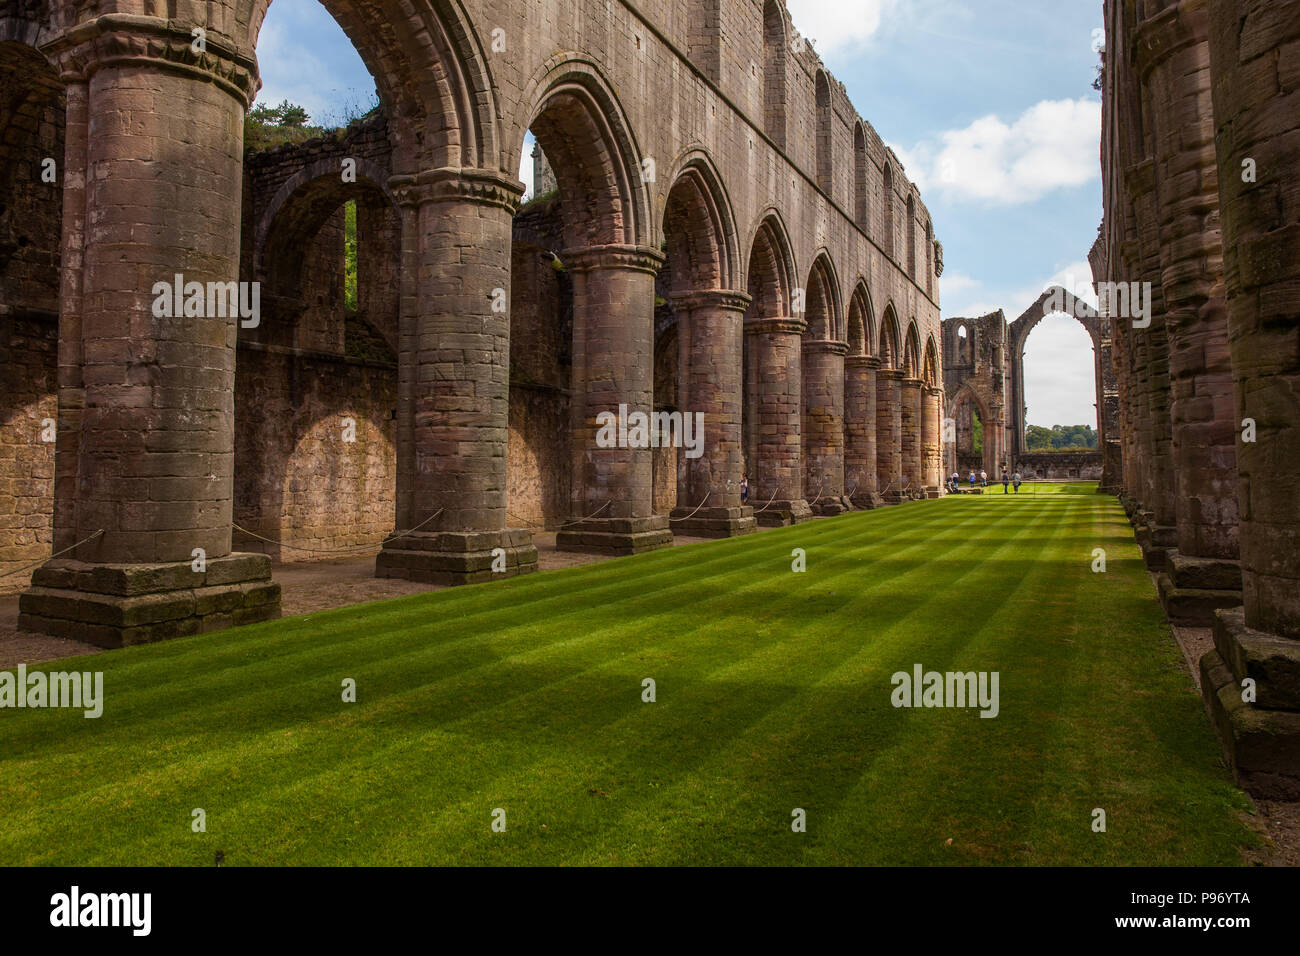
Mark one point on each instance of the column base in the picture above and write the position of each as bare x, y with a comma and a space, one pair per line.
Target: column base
453, 558
1261, 738
617, 536
116, 605
1156, 541
932, 492
779, 514
867, 501
829, 506
1192, 589
713, 522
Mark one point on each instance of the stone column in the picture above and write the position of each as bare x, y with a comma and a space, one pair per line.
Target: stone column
931, 429
910, 445
1256, 121
1203, 573
1156, 520
453, 387
860, 431
889, 434
159, 189
823, 426
777, 489
710, 330
613, 392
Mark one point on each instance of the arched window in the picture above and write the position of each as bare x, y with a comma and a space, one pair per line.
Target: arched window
705, 37
861, 211
774, 72
887, 208
911, 235
825, 179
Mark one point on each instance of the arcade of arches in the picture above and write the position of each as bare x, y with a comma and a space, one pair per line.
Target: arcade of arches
760, 263
728, 237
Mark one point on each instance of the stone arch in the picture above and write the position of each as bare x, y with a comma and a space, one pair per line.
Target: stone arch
912, 352
699, 227
771, 269
585, 134
825, 143
318, 183
930, 367
861, 321
775, 77
431, 72
1055, 300
298, 233
823, 311
888, 339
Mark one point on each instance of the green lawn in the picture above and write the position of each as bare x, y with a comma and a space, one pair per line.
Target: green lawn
773, 693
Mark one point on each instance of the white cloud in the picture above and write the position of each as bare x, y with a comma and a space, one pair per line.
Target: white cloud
832, 28
1050, 146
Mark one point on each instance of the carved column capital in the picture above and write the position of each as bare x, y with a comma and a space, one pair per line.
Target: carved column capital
454, 184
629, 258
125, 39
787, 325
711, 299
826, 347
862, 361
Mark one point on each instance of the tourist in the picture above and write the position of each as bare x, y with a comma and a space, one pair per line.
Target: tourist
1016, 480
972, 481
744, 488
954, 483
1006, 480
984, 478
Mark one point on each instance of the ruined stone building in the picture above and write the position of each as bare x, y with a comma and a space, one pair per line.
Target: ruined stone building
1201, 179
727, 237
984, 380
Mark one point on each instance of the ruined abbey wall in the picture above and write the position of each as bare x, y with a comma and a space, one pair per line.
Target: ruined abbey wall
1200, 140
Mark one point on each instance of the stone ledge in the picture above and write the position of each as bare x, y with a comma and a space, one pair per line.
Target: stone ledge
1193, 607
713, 522
455, 567
127, 580
1262, 747
1272, 661
780, 514
1215, 574
613, 542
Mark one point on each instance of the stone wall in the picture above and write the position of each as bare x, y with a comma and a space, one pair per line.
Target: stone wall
1059, 466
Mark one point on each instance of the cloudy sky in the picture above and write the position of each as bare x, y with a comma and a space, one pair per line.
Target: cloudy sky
988, 103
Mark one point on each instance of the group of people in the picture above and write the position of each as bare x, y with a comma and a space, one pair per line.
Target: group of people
954, 483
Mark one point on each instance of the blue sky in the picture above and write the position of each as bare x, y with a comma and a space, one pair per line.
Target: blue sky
988, 103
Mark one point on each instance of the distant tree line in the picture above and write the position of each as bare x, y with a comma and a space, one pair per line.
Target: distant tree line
1061, 438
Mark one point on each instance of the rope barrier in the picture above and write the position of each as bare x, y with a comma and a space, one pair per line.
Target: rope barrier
353, 550
53, 556
566, 524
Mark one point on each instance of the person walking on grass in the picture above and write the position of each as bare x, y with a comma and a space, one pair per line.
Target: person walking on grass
1006, 480
1016, 481
984, 478
972, 481
954, 483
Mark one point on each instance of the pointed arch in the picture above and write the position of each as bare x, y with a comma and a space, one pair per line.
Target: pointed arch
861, 204
699, 227
888, 338
432, 76
775, 33
861, 321
770, 270
583, 130
912, 352
825, 134
930, 368
823, 311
